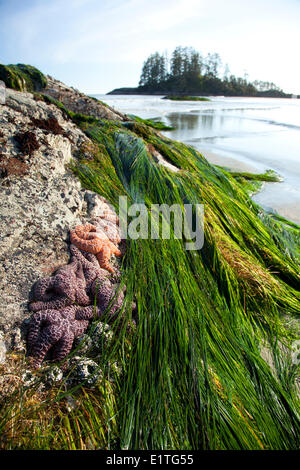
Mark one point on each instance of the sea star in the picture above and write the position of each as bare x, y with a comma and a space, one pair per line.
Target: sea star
68, 285
90, 266
108, 298
87, 238
54, 330
110, 228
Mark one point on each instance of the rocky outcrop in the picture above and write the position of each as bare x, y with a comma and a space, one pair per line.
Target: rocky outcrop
78, 102
22, 77
41, 201
26, 78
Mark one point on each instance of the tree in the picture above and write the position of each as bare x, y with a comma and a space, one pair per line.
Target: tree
154, 70
177, 60
191, 74
212, 64
196, 63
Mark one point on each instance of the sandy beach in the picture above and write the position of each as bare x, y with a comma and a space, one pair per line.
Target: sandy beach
231, 163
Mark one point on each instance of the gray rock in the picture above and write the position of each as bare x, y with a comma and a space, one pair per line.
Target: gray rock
2, 92
83, 344
71, 403
101, 336
38, 206
52, 376
295, 354
29, 378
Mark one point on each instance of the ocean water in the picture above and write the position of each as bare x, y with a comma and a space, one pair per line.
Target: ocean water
251, 133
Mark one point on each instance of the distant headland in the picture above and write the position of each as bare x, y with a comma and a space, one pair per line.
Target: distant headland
188, 73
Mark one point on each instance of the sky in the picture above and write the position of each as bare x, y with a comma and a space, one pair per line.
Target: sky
99, 45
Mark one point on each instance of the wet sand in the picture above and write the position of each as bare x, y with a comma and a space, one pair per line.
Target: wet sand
288, 210
231, 163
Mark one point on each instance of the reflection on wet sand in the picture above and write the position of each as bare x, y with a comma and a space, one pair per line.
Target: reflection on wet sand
184, 121
205, 125
245, 144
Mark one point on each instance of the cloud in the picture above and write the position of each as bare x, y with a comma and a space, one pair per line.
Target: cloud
117, 32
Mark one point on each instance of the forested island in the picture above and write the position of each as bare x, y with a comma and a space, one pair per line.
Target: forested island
187, 72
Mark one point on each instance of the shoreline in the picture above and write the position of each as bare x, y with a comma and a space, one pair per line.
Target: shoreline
288, 211
134, 91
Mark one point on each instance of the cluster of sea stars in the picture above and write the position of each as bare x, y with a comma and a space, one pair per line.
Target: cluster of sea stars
64, 303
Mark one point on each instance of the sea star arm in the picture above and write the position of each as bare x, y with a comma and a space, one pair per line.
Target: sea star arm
43, 289
47, 338
87, 313
92, 246
104, 255
62, 347
56, 304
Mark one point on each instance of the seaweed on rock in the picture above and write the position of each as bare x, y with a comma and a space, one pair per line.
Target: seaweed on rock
27, 142
196, 377
51, 125
22, 77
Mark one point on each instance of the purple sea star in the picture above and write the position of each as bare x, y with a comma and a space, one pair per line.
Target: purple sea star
108, 298
54, 331
90, 266
68, 285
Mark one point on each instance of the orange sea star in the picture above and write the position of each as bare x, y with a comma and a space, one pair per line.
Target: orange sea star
87, 238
